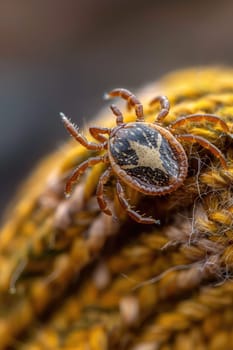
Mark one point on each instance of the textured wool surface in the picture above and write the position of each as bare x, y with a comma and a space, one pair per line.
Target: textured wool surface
73, 278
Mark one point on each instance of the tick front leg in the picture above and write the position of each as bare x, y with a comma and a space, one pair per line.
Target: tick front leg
73, 131
80, 170
100, 191
131, 100
165, 107
205, 144
97, 133
118, 114
132, 213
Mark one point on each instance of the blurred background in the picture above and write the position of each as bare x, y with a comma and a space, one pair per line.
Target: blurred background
62, 55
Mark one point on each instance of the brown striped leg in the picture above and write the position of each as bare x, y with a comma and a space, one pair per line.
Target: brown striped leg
81, 169
131, 100
73, 131
97, 132
205, 144
118, 114
126, 206
200, 118
100, 191
165, 107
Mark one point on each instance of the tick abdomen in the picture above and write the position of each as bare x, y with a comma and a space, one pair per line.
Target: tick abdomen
142, 152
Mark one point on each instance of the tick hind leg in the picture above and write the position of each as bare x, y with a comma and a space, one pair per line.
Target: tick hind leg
97, 133
132, 213
199, 118
131, 100
205, 144
80, 170
100, 191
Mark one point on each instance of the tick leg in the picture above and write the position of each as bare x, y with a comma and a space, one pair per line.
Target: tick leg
205, 144
97, 132
165, 107
118, 114
200, 118
100, 191
80, 170
131, 100
73, 131
132, 213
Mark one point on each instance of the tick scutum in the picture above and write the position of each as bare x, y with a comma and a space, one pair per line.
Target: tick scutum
143, 153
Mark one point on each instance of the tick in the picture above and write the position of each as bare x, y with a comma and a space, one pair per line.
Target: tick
147, 157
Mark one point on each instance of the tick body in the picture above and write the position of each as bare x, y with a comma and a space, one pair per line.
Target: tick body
146, 157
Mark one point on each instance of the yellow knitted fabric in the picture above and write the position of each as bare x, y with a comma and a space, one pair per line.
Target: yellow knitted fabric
73, 278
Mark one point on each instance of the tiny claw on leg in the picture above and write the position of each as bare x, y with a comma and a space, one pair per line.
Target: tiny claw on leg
67, 194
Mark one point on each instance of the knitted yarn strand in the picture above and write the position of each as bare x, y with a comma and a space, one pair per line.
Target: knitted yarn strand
76, 279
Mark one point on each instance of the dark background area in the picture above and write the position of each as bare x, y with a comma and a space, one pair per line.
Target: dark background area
62, 55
